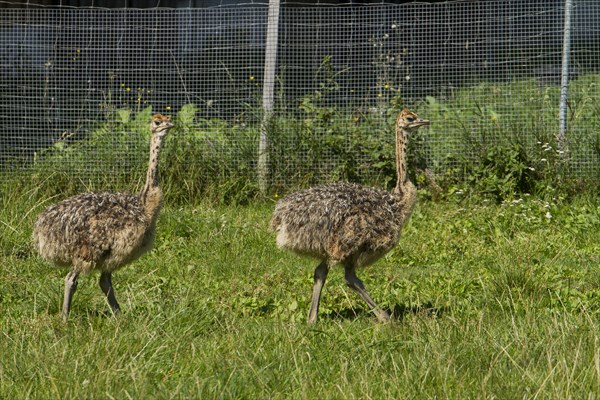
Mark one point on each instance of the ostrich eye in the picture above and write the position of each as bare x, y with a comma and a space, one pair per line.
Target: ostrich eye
157, 122
410, 119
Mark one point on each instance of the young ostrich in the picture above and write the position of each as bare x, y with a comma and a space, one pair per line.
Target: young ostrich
102, 231
348, 224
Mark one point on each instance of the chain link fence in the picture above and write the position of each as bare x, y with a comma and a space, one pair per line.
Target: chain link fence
484, 73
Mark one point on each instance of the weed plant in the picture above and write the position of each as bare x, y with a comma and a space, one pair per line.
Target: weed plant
478, 142
498, 152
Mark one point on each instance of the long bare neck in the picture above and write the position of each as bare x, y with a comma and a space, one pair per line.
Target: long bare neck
402, 182
151, 195
405, 192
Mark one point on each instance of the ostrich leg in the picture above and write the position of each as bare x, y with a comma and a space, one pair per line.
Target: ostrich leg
109, 291
356, 284
320, 275
70, 287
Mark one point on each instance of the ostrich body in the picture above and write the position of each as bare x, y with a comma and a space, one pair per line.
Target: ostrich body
348, 224
102, 231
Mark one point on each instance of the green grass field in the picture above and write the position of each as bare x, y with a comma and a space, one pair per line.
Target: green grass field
490, 301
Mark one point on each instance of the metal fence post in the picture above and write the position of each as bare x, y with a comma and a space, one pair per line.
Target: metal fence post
564, 83
268, 93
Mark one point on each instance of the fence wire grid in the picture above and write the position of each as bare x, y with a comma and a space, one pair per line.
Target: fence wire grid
483, 72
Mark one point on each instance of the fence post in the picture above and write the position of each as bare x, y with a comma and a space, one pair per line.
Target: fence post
268, 93
561, 138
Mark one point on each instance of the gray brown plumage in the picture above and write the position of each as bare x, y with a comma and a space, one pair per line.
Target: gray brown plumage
102, 231
348, 224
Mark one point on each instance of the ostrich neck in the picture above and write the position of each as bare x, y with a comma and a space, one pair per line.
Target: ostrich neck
151, 195
405, 193
402, 182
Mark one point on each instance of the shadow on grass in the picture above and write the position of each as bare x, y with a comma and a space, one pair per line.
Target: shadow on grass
83, 312
104, 314
426, 309
397, 313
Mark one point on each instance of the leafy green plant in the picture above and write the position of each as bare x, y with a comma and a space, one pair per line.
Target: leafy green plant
502, 171
496, 139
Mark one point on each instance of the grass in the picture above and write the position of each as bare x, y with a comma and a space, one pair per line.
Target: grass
491, 301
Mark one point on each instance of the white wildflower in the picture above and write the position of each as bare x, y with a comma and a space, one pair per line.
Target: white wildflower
548, 215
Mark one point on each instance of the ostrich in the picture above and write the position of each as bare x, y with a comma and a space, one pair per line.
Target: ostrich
102, 231
348, 224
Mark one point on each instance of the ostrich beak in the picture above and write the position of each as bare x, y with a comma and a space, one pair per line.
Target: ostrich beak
420, 122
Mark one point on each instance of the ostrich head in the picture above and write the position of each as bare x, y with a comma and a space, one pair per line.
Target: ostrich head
160, 125
408, 121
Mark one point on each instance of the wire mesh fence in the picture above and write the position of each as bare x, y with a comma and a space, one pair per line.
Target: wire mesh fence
77, 85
